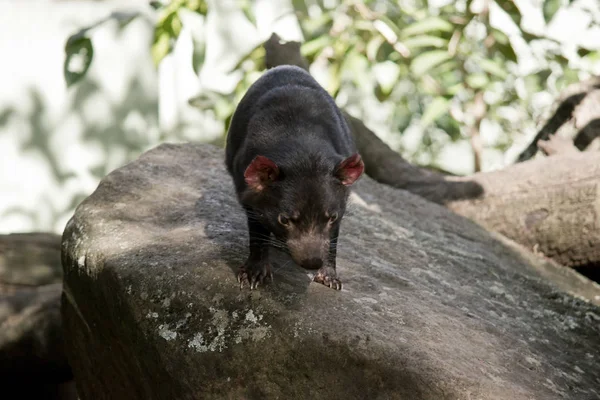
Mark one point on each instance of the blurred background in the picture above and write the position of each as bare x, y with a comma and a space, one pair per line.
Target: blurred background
87, 86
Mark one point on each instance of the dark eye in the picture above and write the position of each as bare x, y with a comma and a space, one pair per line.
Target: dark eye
333, 217
283, 219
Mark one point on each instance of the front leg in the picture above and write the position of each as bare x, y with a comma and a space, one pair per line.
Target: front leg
327, 274
257, 267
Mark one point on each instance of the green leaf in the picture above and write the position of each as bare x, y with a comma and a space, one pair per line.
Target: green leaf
425, 41
223, 108
450, 126
366, 26
174, 26
569, 76
559, 58
300, 6
246, 8
156, 5
198, 55
380, 94
593, 56
550, 7
335, 79
543, 76
503, 45
512, 10
500, 36
79, 55
477, 81
124, 18
198, 6
431, 24
319, 24
314, 46
581, 52
492, 67
450, 66
355, 67
507, 52
205, 100
455, 89
373, 47
532, 85
161, 47
386, 74
257, 56
435, 109
390, 25
424, 62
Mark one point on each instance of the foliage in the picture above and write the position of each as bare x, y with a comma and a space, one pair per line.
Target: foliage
79, 51
442, 69
169, 24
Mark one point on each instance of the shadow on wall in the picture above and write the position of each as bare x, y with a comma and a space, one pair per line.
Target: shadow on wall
55, 145
130, 127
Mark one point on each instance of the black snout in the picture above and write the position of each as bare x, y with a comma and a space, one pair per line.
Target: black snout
312, 263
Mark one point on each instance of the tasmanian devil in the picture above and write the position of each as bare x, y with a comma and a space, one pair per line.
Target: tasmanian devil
292, 159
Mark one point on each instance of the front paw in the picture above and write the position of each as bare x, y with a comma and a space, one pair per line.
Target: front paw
328, 277
254, 272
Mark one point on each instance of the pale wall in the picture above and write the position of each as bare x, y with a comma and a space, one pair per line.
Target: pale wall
57, 143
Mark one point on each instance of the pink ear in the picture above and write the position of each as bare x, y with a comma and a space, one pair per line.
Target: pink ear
350, 169
260, 173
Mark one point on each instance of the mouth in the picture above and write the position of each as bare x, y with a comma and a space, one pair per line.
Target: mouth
308, 254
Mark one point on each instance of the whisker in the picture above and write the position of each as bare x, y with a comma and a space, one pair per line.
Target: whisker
282, 266
269, 240
272, 243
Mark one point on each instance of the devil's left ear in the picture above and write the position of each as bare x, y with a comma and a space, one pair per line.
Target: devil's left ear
350, 169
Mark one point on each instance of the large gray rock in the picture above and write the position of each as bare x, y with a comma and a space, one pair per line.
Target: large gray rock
433, 306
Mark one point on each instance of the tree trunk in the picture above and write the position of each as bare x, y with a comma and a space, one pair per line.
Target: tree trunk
550, 205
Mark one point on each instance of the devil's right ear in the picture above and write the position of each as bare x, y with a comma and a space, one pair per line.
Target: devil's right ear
260, 173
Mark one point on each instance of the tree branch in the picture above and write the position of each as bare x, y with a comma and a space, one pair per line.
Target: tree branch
577, 116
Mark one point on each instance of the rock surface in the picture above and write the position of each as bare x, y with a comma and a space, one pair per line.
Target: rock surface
32, 359
30, 259
433, 306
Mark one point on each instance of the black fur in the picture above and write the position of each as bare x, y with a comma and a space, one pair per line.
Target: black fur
289, 118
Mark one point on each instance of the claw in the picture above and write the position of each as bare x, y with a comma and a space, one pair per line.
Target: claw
254, 273
242, 276
327, 277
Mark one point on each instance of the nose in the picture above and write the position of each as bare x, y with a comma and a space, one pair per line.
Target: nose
312, 263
